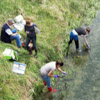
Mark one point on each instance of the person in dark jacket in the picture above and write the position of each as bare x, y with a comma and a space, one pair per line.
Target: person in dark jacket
74, 36
31, 36
7, 35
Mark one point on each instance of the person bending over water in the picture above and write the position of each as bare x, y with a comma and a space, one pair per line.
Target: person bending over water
74, 36
47, 70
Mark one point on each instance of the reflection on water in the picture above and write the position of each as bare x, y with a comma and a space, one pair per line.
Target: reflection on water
83, 72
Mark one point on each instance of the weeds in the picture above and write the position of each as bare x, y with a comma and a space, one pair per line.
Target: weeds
52, 17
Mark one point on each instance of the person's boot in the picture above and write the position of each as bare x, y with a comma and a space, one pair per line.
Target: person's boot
78, 50
35, 54
67, 50
51, 90
45, 83
30, 51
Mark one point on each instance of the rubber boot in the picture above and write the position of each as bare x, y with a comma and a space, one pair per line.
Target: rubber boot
35, 53
45, 83
51, 90
30, 51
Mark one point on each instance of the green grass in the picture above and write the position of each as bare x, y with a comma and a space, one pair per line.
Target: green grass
55, 19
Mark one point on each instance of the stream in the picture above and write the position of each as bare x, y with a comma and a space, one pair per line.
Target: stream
82, 81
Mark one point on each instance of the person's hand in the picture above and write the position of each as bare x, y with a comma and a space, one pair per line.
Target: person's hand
88, 45
13, 34
64, 73
55, 76
27, 32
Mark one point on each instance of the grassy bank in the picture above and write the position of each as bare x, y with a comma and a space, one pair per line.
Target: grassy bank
55, 19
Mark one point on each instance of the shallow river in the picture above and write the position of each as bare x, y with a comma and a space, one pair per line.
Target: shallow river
83, 78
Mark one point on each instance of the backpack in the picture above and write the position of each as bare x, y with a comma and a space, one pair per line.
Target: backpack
10, 54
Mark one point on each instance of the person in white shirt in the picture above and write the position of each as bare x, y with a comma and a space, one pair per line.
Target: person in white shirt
47, 70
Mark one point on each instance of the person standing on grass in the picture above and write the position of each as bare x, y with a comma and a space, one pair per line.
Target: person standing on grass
7, 35
31, 36
74, 36
47, 70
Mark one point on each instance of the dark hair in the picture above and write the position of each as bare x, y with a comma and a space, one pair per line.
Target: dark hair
88, 29
59, 63
28, 22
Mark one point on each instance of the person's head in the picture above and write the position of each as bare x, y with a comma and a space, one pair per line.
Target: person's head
59, 64
87, 30
10, 22
28, 22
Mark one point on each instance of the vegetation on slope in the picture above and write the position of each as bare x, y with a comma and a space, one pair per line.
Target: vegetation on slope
55, 19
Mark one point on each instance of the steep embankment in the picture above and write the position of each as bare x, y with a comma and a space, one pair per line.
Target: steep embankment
53, 18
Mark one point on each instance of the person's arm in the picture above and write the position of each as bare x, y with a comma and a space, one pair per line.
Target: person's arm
50, 74
9, 32
38, 31
36, 28
13, 34
86, 41
59, 69
27, 32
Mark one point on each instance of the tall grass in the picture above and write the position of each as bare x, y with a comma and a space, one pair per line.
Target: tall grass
55, 19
